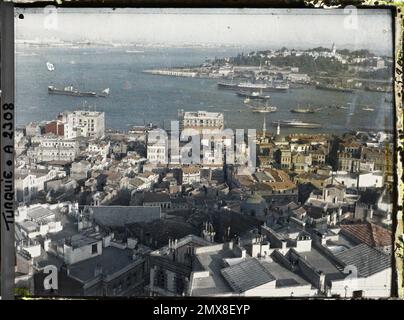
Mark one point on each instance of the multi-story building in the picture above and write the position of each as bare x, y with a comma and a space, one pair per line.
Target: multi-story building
34, 129
96, 265
99, 147
54, 149
201, 120
56, 127
191, 174
29, 182
157, 150
83, 124
347, 163
286, 159
171, 266
301, 162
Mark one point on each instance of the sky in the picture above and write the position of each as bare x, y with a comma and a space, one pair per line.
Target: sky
299, 28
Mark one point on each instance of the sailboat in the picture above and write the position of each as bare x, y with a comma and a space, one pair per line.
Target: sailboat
104, 93
50, 66
262, 109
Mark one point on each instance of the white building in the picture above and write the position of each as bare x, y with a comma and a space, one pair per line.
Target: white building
83, 124
55, 149
39, 219
29, 182
157, 150
191, 175
80, 247
201, 120
97, 147
361, 180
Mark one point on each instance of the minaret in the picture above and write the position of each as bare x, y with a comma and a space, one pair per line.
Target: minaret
278, 129
264, 128
333, 49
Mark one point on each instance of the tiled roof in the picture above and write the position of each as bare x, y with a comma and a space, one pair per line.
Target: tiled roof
39, 213
371, 234
247, 275
191, 170
367, 260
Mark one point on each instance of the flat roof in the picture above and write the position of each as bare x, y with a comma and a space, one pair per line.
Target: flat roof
111, 260
215, 283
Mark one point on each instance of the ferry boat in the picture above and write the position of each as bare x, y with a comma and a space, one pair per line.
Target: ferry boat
71, 91
253, 86
333, 88
253, 94
298, 124
227, 85
263, 86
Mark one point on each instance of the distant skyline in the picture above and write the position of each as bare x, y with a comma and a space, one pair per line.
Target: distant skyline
259, 28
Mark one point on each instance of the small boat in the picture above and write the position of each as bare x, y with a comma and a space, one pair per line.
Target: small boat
227, 85
104, 93
368, 109
297, 124
50, 66
264, 109
253, 94
302, 110
341, 107
331, 87
134, 51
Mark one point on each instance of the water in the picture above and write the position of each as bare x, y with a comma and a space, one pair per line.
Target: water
138, 98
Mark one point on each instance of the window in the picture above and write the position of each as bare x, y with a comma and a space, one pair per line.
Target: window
179, 285
160, 280
94, 248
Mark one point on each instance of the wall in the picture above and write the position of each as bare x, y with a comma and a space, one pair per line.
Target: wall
82, 253
375, 286
292, 291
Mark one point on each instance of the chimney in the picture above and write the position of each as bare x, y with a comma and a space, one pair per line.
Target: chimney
284, 245
321, 282
370, 212
46, 244
323, 240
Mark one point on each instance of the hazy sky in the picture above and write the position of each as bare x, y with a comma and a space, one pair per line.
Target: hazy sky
370, 29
